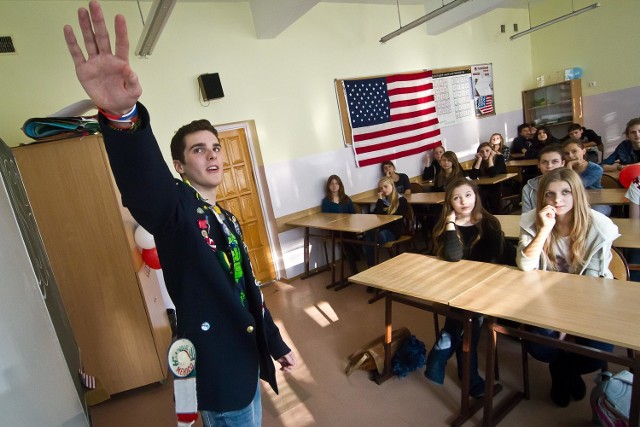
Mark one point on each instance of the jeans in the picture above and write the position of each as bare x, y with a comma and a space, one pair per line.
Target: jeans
580, 364
249, 416
369, 250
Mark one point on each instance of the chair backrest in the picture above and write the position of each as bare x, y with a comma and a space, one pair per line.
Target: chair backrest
357, 208
416, 188
618, 265
608, 181
410, 222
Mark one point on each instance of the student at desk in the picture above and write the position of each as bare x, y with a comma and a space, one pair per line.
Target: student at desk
628, 151
550, 157
432, 163
389, 203
498, 145
564, 234
488, 163
522, 143
542, 138
465, 231
400, 180
633, 194
450, 169
575, 157
336, 201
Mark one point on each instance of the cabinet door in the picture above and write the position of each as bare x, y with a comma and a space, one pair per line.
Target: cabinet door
69, 185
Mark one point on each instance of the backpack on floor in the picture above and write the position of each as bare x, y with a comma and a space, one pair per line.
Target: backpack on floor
611, 399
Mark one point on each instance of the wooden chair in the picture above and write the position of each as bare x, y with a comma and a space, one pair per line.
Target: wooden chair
410, 226
416, 188
607, 181
618, 265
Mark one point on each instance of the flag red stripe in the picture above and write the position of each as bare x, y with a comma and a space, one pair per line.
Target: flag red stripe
409, 102
397, 142
393, 156
410, 89
387, 132
412, 114
406, 77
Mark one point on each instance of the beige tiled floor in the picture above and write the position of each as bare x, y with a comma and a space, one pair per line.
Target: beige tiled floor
324, 327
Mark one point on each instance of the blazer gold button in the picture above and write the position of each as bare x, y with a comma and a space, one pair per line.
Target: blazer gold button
249, 329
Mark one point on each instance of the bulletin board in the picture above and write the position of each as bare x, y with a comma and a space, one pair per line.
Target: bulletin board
461, 93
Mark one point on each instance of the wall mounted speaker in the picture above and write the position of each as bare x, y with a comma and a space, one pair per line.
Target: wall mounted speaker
210, 86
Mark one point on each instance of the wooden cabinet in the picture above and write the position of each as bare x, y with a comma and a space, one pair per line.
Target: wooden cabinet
557, 106
112, 299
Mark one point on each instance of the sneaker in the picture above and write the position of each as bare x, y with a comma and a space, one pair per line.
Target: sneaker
436, 364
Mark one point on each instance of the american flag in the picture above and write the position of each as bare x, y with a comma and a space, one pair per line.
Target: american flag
485, 104
392, 116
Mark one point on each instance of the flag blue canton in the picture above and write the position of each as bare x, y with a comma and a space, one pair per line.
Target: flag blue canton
368, 102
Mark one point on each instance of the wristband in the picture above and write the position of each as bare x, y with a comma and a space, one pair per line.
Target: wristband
127, 117
451, 222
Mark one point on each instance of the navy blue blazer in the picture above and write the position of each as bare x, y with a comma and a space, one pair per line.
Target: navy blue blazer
232, 341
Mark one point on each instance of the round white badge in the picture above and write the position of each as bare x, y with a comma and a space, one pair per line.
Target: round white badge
182, 357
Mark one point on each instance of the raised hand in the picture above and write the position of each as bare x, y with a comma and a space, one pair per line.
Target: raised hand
107, 78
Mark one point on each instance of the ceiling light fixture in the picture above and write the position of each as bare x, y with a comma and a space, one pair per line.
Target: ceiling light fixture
158, 16
422, 20
553, 21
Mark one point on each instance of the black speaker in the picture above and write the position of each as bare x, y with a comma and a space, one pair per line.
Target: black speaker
210, 86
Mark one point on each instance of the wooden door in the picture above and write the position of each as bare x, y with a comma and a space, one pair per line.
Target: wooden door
238, 193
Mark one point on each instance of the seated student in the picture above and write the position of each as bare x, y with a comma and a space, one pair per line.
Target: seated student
400, 180
336, 201
591, 140
591, 173
628, 151
522, 142
450, 169
550, 157
465, 231
633, 194
498, 145
389, 203
541, 139
432, 163
564, 234
487, 162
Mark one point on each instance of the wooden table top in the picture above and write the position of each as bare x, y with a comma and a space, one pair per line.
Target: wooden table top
352, 223
592, 307
432, 198
425, 277
522, 162
629, 230
485, 180
607, 196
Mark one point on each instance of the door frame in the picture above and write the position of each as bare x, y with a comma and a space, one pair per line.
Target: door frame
257, 166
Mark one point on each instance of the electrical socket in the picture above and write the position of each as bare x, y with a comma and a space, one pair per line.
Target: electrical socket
593, 83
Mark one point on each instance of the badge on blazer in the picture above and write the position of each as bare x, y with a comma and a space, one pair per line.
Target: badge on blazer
182, 358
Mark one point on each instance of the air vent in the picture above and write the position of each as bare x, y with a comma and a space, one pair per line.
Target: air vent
6, 45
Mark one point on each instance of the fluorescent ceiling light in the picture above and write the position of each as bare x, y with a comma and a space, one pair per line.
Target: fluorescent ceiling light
158, 16
553, 21
422, 20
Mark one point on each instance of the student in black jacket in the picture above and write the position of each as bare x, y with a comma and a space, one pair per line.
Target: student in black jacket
465, 231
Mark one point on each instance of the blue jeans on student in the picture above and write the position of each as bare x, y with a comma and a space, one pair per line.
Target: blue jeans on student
249, 416
370, 250
548, 354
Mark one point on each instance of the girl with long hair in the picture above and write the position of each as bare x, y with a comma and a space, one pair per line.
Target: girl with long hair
564, 234
389, 203
487, 162
450, 169
465, 231
432, 163
498, 145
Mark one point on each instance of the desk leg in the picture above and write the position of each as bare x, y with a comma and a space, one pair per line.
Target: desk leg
376, 260
306, 253
490, 372
388, 332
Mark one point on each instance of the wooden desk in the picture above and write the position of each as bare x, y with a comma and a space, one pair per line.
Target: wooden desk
432, 198
485, 180
591, 307
629, 230
340, 223
522, 163
435, 282
613, 174
608, 196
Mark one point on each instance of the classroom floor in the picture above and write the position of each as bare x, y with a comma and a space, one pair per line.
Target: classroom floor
324, 327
